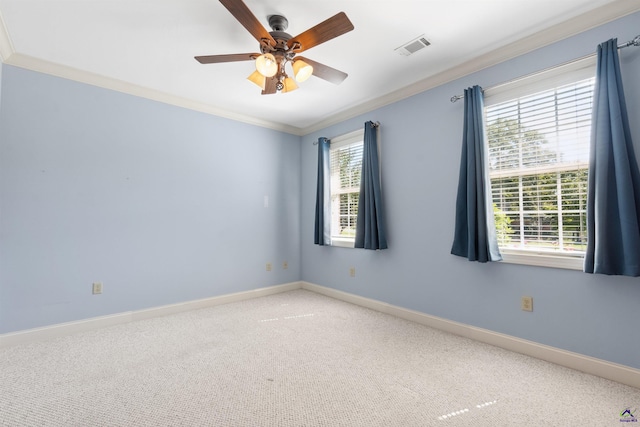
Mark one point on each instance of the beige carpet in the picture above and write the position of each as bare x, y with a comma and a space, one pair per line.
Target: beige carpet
293, 359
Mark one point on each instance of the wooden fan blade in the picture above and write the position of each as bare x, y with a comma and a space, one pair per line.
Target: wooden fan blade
270, 86
213, 59
324, 31
248, 20
325, 72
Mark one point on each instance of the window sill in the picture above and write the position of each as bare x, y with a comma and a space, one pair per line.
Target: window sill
542, 260
342, 242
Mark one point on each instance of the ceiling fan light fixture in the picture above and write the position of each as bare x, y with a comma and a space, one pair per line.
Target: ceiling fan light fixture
278, 48
301, 70
266, 64
257, 78
289, 85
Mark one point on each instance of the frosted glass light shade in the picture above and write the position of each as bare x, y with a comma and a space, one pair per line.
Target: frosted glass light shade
301, 70
258, 79
289, 85
266, 64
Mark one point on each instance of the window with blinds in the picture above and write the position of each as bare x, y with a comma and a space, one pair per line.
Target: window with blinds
538, 149
346, 167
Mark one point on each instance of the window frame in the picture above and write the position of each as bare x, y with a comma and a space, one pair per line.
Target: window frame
544, 80
335, 143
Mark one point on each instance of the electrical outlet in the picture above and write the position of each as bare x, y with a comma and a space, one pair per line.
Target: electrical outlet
96, 288
526, 303
352, 272
285, 265
268, 266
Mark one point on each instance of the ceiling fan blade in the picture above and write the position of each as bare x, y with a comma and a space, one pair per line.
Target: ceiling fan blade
213, 59
324, 31
325, 72
248, 20
270, 85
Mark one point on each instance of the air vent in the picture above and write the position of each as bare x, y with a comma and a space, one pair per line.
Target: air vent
413, 46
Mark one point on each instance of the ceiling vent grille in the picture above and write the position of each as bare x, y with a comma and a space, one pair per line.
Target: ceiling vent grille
413, 46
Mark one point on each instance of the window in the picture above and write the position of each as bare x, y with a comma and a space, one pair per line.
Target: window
346, 167
538, 150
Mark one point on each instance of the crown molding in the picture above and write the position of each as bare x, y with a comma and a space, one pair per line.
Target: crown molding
70, 73
558, 32
563, 30
6, 46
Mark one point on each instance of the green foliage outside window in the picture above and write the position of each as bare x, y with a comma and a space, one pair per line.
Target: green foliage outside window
544, 210
349, 161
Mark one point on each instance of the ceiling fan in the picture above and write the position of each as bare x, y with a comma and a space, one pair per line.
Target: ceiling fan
278, 48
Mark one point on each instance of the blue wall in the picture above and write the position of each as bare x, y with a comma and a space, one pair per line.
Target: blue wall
1, 65
421, 140
165, 205
160, 203
1, 287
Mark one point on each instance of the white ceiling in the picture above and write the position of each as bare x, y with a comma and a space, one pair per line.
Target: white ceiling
146, 47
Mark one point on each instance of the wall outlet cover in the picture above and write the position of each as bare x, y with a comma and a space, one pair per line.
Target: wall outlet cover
96, 288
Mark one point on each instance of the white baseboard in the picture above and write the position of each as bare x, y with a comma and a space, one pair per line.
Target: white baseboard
62, 329
591, 365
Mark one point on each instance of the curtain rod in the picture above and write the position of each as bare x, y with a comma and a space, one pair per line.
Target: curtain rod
634, 42
375, 125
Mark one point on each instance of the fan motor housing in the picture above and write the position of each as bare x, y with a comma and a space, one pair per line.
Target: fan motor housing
278, 24
280, 36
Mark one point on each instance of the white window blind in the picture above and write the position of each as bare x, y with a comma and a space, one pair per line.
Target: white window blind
538, 165
346, 168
